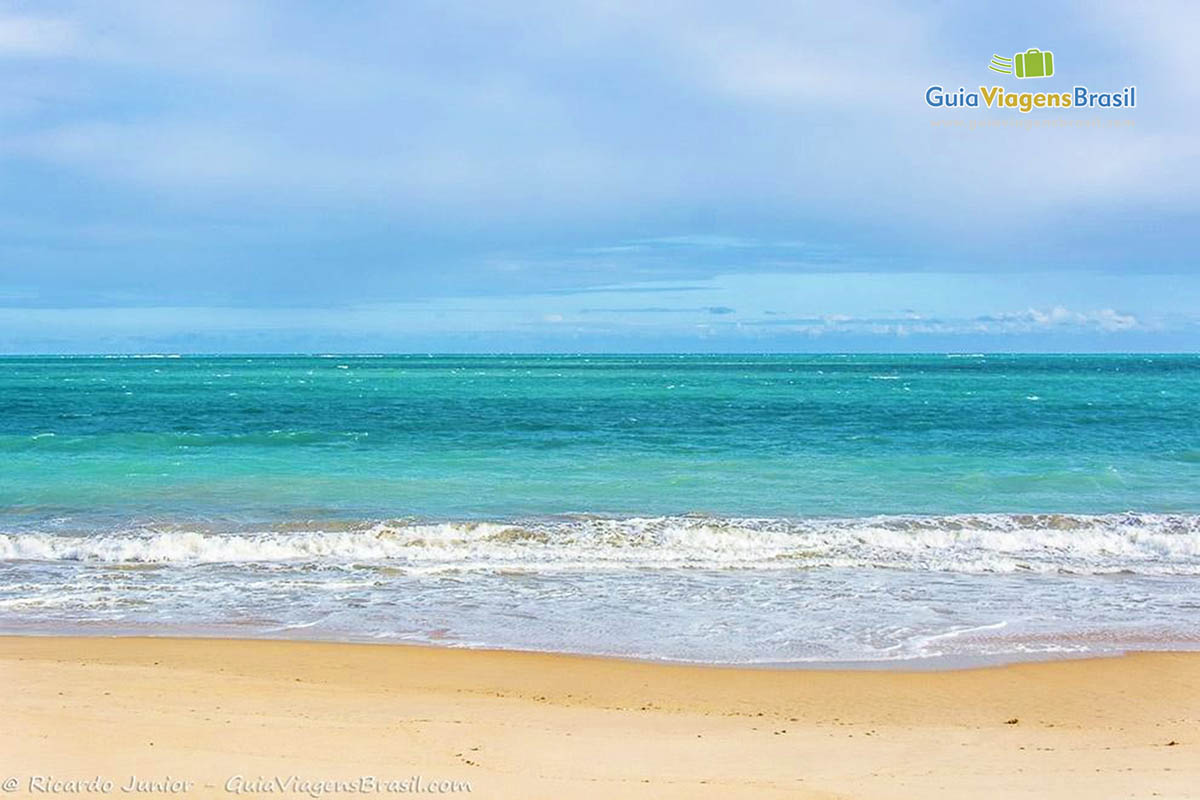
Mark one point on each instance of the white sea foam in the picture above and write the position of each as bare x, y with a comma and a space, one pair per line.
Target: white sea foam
687, 587
1151, 544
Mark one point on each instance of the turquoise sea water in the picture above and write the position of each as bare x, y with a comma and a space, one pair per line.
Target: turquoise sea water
729, 508
456, 437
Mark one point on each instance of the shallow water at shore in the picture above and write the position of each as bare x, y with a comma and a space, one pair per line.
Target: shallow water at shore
683, 588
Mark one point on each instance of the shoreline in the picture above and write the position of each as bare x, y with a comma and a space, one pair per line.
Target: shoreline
523, 724
913, 664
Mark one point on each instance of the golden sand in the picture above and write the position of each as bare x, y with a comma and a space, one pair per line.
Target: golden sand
216, 715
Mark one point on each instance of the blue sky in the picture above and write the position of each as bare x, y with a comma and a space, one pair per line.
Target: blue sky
589, 176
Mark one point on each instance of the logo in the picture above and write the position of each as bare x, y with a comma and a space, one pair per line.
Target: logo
1033, 63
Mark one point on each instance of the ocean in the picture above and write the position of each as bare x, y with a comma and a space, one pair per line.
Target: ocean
774, 509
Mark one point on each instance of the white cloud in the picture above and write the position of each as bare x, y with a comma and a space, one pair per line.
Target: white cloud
581, 145
1105, 319
799, 111
36, 36
1055, 319
793, 56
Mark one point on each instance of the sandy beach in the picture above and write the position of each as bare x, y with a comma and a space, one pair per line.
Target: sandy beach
216, 718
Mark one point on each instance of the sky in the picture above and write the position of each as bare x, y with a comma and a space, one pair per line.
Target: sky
583, 176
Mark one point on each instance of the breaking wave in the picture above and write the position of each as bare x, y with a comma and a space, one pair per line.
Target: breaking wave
1153, 544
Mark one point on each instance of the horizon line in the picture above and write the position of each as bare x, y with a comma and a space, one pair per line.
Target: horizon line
577, 354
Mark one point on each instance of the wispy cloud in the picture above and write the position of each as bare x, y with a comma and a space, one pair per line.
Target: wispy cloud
998, 325
766, 103
35, 37
568, 158
1105, 319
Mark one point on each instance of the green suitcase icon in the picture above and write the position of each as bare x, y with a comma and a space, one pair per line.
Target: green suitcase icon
1034, 63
